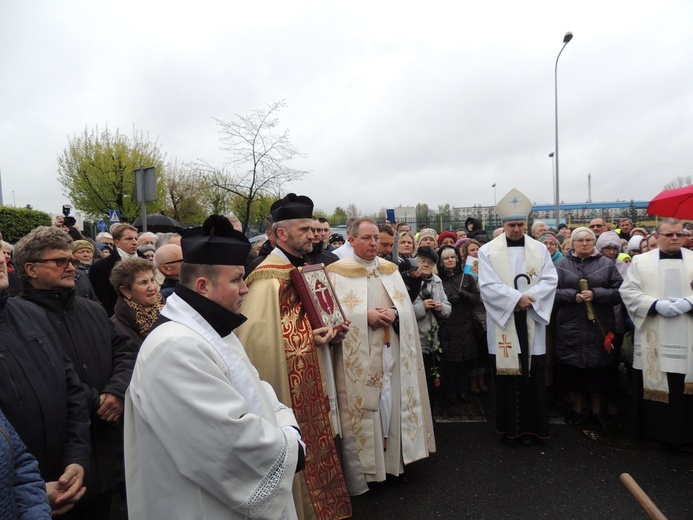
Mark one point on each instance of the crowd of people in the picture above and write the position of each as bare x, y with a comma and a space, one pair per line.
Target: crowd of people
190, 374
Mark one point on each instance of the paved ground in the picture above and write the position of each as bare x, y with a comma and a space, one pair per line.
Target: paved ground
574, 476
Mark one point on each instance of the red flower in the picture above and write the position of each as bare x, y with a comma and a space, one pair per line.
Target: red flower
436, 383
607, 341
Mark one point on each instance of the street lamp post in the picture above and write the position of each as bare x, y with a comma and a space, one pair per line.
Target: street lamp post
557, 201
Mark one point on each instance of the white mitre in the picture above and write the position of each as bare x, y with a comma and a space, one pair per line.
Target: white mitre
514, 206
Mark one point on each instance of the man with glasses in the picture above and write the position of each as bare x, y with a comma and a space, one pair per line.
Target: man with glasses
517, 280
658, 295
103, 358
42, 396
167, 260
598, 226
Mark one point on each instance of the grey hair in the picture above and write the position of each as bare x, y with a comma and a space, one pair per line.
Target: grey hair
32, 245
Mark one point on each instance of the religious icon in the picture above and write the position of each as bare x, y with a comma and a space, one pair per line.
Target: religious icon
318, 297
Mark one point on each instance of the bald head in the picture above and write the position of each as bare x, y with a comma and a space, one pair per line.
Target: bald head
167, 259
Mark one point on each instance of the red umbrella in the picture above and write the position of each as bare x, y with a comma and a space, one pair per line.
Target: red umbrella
676, 203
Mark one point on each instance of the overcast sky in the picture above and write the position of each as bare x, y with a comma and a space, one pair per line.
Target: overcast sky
393, 103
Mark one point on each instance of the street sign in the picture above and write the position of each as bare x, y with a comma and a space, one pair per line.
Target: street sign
114, 216
102, 225
145, 184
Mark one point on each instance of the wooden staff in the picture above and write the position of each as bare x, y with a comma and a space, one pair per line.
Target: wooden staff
646, 502
590, 310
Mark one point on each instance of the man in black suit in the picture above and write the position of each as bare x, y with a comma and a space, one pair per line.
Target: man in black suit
124, 247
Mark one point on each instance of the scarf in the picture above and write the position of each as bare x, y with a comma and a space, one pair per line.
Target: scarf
556, 256
145, 316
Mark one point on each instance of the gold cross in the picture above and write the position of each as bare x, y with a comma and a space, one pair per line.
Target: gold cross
505, 345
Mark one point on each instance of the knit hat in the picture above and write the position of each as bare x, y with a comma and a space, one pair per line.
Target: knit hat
639, 231
428, 232
547, 236
582, 232
78, 245
445, 234
608, 238
634, 243
461, 242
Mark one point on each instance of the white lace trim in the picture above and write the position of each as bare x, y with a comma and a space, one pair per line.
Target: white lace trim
262, 496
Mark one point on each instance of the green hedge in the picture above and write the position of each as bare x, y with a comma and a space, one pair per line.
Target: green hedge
17, 222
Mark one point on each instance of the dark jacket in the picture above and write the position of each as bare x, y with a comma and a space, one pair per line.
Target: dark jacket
321, 257
477, 228
265, 249
99, 275
579, 342
40, 392
167, 287
104, 359
22, 492
460, 324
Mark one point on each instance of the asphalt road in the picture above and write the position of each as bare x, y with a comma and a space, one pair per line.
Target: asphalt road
573, 476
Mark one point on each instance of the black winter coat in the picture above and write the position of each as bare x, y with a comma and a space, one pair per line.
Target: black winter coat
579, 342
40, 392
104, 359
99, 276
461, 295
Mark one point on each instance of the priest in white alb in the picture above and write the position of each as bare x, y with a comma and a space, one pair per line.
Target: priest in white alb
205, 438
379, 373
658, 294
518, 281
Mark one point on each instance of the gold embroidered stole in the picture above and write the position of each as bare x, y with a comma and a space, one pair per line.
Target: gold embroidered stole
323, 473
350, 281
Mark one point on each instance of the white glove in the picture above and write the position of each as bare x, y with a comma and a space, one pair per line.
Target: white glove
667, 309
681, 304
291, 431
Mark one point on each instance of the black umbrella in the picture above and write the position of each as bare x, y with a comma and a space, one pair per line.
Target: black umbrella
159, 224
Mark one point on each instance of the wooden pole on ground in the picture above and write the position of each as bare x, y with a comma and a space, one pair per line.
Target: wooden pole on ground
645, 501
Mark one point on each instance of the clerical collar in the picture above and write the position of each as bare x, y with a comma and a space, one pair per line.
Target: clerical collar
515, 243
673, 256
222, 320
296, 261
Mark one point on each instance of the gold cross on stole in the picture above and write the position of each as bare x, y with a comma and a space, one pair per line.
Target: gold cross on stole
505, 345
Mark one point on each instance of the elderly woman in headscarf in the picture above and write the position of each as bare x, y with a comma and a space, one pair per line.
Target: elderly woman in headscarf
139, 301
549, 240
587, 292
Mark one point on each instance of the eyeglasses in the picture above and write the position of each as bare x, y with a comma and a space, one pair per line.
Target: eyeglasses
172, 262
59, 262
672, 235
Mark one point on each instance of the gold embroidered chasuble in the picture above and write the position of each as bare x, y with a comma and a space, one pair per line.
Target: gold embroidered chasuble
279, 341
360, 286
